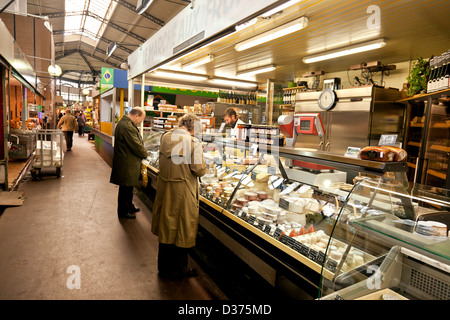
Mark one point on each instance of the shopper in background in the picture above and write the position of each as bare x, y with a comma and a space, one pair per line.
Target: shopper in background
81, 124
175, 211
68, 124
129, 152
232, 120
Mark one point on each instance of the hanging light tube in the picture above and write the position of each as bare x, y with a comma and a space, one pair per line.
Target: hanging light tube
180, 76
279, 8
275, 33
366, 46
198, 62
231, 82
249, 72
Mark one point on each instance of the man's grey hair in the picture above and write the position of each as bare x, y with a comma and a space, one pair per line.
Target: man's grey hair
136, 112
188, 121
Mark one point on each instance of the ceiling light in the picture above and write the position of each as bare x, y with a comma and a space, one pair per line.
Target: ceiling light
199, 62
111, 48
231, 82
366, 46
142, 5
54, 70
258, 70
279, 8
247, 24
275, 33
180, 76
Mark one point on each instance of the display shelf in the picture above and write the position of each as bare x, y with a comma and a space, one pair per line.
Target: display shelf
440, 148
437, 174
424, 95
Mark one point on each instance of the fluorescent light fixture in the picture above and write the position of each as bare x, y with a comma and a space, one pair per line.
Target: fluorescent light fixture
247, 24
258, 70
231, 82
142, 5
111, 48
199, 62
275, 33
180, 76
279, 8
366, 46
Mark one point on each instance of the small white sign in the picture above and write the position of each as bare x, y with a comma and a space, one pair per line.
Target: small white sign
352, 152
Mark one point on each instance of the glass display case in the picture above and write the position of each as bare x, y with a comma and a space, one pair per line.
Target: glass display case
323, 217
389, 243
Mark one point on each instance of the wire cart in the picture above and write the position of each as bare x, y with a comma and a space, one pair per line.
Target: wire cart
48, 152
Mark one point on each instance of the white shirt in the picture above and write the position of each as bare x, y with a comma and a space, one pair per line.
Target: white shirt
234, 131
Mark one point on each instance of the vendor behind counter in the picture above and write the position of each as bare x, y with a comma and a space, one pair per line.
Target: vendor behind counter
231, 119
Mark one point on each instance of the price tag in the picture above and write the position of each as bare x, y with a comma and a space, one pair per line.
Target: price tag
331, 265
277, 233
312, 254
243, 215
251, 220
254, 174
304, 250
218, 200
285, 239
290, 188
254, 148
267, 229
227, 170
284, 204
320, 257
272, 170
260, 225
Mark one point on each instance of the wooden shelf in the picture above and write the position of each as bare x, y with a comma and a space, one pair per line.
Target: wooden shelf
417, 125
415, 144
437, 174
424, 95
440, 148
411, 165
441, 125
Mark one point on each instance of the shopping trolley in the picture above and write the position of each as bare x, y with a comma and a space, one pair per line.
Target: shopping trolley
48, 152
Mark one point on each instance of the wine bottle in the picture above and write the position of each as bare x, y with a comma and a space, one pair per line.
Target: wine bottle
447, 73
442, 85
432, 73
435, 85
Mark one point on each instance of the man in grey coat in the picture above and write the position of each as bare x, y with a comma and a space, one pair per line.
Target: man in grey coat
128, 154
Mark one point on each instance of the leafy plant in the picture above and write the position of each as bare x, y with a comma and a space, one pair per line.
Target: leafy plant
418, 77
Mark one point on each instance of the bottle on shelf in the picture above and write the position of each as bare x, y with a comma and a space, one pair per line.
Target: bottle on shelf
437, 77
432, 74
443, 81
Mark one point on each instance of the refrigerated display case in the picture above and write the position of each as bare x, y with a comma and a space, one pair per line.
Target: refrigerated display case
385, 256
293, 219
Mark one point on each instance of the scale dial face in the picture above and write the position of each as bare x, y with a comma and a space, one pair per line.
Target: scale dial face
327, 99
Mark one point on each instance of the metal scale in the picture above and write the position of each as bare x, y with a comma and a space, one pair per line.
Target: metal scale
307, 172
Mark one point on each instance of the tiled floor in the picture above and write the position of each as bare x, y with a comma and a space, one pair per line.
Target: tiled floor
65, 241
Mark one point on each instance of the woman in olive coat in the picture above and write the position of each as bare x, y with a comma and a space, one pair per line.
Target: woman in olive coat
128, 154
176, 211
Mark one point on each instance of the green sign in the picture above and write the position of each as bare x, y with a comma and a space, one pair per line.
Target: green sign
107, 80
198, 93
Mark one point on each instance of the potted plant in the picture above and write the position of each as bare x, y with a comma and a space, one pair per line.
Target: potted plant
418, 77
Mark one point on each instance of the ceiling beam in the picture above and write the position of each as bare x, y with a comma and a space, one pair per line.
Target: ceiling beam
97, 17
144, 14
93, 71
90, 47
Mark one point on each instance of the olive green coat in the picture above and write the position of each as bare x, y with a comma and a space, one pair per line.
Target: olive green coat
175, 211
128, 153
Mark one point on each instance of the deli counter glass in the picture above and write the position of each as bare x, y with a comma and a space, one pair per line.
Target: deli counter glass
330, 220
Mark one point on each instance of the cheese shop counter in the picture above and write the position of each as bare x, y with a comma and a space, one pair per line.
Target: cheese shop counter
327, 231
